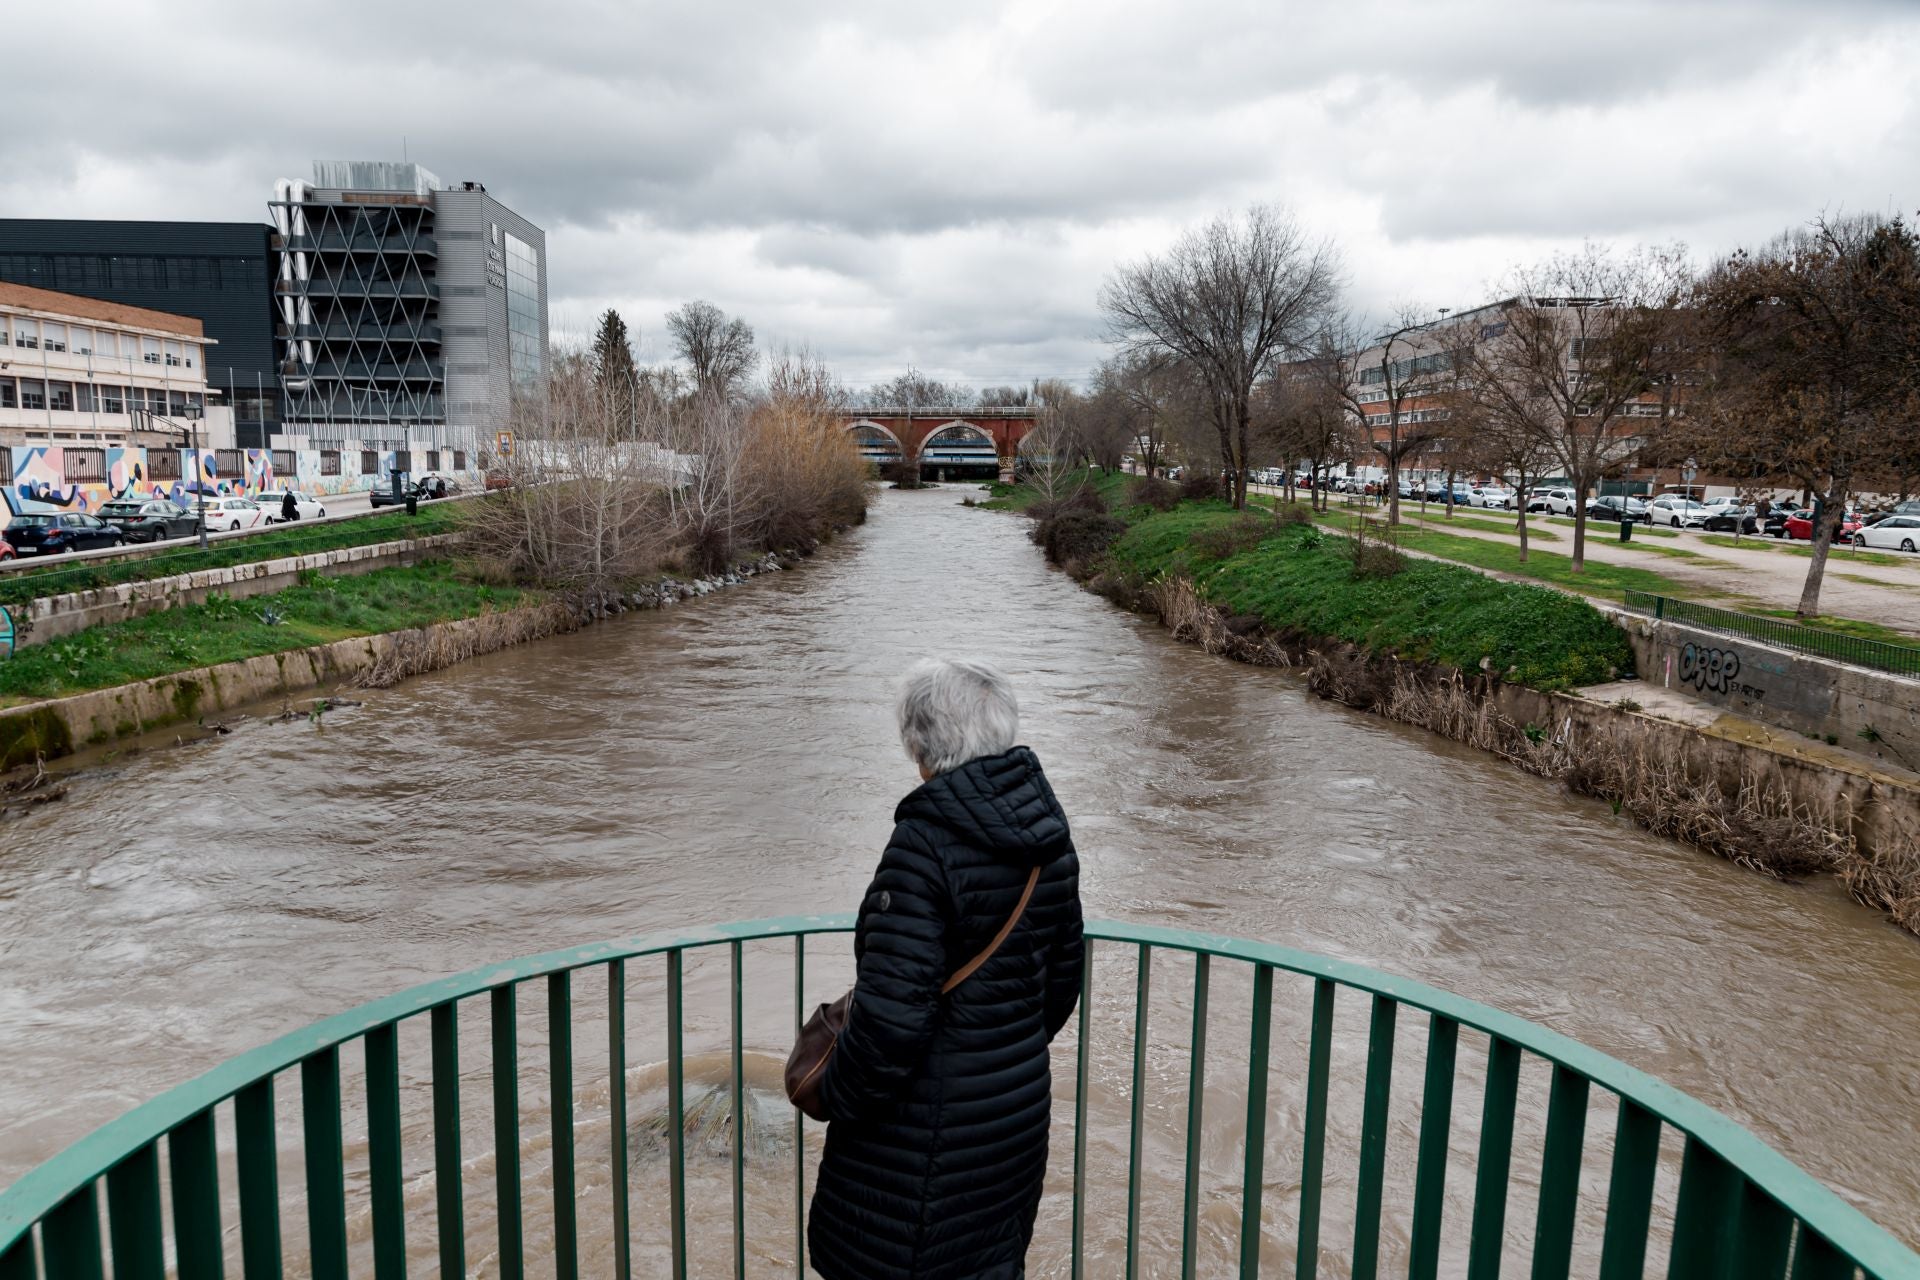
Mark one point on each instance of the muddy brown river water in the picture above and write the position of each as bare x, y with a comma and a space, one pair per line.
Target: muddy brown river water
734, 758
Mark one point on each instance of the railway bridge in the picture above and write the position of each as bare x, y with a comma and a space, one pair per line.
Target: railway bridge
977, 443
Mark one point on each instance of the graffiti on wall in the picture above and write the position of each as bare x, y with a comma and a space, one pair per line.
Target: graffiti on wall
39, 475
1713, 670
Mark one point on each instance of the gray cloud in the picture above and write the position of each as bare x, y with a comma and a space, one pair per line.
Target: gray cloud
946, 185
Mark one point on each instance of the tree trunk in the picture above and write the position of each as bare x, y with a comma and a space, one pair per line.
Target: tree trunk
1520, 501
1833, 510
1393, 490
1243, 421
1450, 475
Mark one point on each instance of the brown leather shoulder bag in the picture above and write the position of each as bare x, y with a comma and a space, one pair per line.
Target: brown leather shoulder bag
821, 1034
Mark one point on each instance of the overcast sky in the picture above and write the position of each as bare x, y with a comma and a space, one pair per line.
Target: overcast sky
946, 186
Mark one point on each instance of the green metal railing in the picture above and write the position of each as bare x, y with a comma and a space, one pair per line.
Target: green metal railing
1739, 1209
1898, 658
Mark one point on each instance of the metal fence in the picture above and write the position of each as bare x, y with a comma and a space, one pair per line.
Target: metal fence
1898, 658
1329, 1067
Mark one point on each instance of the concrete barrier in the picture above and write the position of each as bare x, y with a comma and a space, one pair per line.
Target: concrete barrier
51, 617
1866, 711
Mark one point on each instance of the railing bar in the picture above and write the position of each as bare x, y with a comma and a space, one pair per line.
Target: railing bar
70, 1238
1253, 1177
257, 1173
1766, 1235
1143, 984
1636, 1156
1706, 1215
1496, 1153
1083, 1059
19, 1261
504, 1003
1560, 1175
799, 1116
448, 1172
617, 1116
1430, 1166
133, 1216
193, 1171
676, 1117
326, 1173
383, 1153
1313, 1153
739, 1101
1373, 1139
1814, 1258
566, 1225
1196, 1102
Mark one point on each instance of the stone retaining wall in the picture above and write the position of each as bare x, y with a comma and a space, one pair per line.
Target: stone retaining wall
51, 617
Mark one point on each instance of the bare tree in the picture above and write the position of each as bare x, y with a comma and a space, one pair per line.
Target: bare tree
719, 348
1229, 299
1510, 431
1588, 341
1153, 384
1304, 420
1004, 397
1379, 381
1051, 453
915, 390
1816, 378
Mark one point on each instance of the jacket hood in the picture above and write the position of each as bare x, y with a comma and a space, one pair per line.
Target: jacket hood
998, 802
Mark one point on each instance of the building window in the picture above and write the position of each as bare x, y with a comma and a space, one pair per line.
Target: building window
33, 393
6, 463
55, 338
403, 461
369, 463
173, 355
163, 464
176, 404
226, 462
523, 313
191, 353
83, 396
26, 334
459, 459
283, 462
60, 396
9, 399
433, 459
150, 350
85, 466
112, 399
82, 341
329, 462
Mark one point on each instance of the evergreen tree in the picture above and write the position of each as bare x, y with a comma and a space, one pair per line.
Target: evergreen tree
614, 372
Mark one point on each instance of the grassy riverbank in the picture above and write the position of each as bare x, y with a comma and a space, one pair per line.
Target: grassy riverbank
1296, 578
318, 611
59, 576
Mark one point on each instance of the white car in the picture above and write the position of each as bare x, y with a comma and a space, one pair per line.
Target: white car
272, 501
1490, 495
1680, 512
1895, 533
1559, 501
229, 513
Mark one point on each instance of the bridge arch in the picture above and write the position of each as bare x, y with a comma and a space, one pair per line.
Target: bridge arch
958, 446
876, 441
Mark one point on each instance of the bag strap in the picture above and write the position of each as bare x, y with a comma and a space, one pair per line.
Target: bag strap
1020, 909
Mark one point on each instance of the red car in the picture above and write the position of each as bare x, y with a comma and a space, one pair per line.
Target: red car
1800, 525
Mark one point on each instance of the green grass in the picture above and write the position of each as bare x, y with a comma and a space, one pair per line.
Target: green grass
56, 577
1536, 532
1845, 626
1301, 579
226, 630
1596, 579
1111, 487
1885, 559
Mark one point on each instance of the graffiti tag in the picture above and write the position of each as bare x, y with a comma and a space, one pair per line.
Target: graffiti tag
1709, 670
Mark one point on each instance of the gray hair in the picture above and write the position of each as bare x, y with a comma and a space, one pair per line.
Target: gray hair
952, 711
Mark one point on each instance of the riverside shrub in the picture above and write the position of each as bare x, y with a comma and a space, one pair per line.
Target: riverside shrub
1078, 537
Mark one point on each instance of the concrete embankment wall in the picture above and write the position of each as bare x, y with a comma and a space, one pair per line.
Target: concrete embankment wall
1867, 711
59, 727
51, 617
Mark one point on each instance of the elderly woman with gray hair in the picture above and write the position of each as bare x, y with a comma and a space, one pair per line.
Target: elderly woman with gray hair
969, 952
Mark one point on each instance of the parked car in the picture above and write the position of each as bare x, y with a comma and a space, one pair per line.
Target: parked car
1491, 495
233, 513
56, 532
150, 520
1800, 525
1557, 500
1732, 519
1614, 507
272, 501
6, 551
1775, 525
1895, 533
1677, 510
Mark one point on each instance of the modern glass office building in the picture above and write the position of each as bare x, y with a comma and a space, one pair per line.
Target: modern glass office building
407, 302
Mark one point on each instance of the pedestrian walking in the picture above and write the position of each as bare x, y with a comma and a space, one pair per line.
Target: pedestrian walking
968, 951
289, 509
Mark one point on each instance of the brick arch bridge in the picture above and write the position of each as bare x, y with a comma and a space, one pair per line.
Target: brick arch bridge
957, 441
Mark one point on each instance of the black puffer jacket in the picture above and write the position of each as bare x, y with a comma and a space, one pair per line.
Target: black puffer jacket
937, 1144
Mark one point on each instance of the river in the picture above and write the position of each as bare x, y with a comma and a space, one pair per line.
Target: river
734, 757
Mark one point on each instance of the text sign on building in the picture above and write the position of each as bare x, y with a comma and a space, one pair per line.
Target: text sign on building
496, 267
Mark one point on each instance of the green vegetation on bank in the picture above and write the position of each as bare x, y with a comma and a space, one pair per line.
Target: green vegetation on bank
1110, 485
318, 611
1295, 578
1596, 579
57, 577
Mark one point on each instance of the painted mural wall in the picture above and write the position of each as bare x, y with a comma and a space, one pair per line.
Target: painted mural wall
39, 475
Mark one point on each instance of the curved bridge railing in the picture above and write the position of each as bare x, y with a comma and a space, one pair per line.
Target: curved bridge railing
1678, 1189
